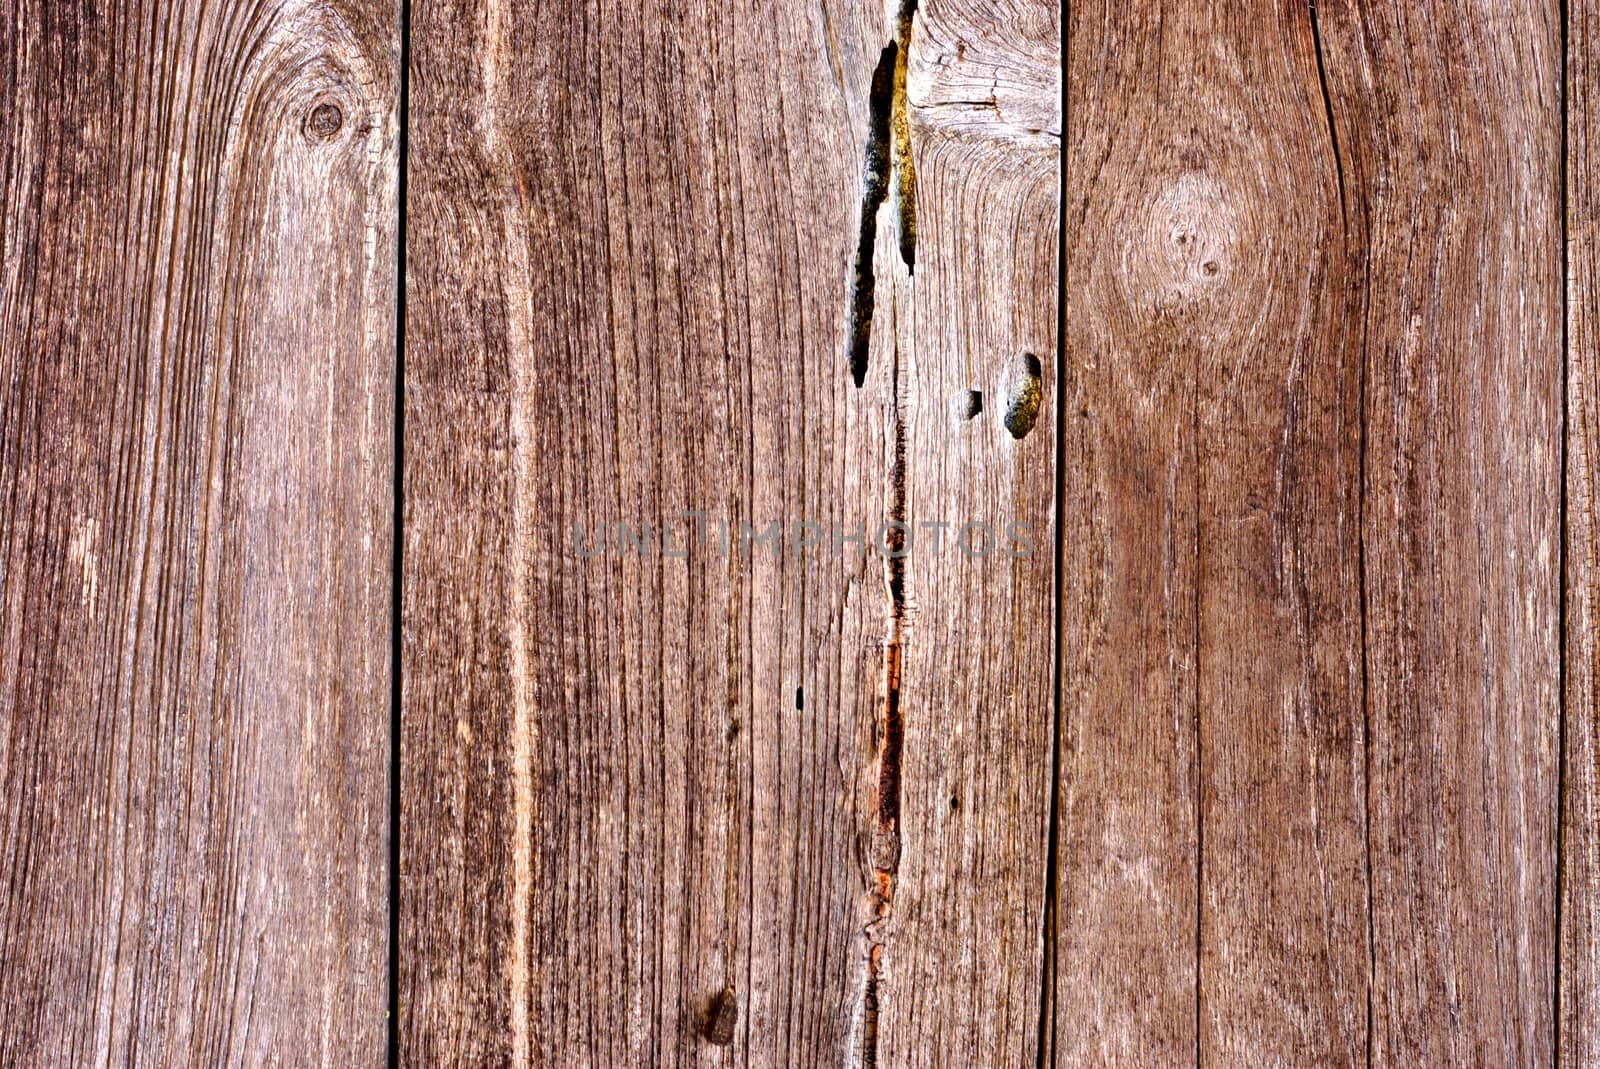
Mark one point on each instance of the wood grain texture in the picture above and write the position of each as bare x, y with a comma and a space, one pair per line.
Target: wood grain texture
962, 957
197, 221
633, 781
1212, 733
1311, 470
1126, 904
1578, 960
1449, 127
1258, 229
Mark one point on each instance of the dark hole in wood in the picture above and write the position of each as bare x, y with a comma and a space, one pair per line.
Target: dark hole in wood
722, 1017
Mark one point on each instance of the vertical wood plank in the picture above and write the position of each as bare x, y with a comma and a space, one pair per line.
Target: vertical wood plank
1449, 122
630, 231
1213, 862
1578, 957
1311, 453
961, 960
1264, 278
1127, 875
197, 222
633, 235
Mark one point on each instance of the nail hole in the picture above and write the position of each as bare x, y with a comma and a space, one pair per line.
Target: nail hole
799, 697
955, 804
972, 404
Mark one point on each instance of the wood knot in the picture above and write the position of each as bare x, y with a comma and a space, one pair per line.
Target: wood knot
324, 121
1184, 243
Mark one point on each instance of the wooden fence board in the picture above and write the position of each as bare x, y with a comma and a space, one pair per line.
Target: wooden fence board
1449, 131
1125, 911
1578, 953
197, 260
1287, 571
1310, 613
634, 233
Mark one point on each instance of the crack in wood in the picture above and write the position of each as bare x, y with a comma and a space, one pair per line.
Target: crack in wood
905, 168
884, 846
874, 188
888, 156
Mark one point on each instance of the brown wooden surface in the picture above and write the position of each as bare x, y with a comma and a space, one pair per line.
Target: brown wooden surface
1212, 724
1578, 960
197, 262
632, 782
1311, 625
1452, 172
1281, 746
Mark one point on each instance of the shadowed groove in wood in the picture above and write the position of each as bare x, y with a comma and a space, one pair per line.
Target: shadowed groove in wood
1578, 954
889, 161
874, 189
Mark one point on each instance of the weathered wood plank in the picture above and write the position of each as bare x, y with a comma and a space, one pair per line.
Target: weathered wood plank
627, 251
633, 235
1212, 729
1449, 129
1578, 956
962, 940
1311, 454
1263, 278
1127, 876
197, 221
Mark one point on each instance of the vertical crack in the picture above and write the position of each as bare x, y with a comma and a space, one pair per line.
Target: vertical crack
884, 840
1327, 111
888, 155
905, 169
1561, 556
392, 1056
1045, 1048
1361, 526
888, 161
874, 188
1361, 521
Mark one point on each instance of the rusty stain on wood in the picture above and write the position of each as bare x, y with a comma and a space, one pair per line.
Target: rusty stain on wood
904, 160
